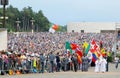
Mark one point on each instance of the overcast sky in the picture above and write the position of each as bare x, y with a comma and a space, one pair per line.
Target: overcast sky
65, 11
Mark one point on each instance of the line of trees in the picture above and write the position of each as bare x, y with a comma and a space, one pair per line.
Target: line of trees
41, 23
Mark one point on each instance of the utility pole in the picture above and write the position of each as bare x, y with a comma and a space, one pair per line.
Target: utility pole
4, 3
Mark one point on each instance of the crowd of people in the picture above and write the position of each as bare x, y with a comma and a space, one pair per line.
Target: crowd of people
45, 52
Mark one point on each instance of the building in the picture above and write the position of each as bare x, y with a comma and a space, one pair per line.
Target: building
93, 27
3, 39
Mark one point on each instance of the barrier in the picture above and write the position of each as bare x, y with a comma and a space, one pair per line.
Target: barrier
12, 67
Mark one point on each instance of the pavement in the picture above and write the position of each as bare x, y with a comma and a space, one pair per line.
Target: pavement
112, 73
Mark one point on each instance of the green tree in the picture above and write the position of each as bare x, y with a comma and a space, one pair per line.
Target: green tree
62, 28
41, 23
12, 13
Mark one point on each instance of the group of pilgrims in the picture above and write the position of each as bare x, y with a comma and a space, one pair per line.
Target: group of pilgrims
45, 52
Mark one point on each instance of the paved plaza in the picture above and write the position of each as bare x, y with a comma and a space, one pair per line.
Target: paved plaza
113, 73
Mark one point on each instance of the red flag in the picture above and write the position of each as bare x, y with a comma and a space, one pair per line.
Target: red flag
93, 42
73, 46
55, 27
79, 58
79, 54
94, 46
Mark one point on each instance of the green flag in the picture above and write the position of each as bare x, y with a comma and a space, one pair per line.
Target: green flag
87, 49
68, 47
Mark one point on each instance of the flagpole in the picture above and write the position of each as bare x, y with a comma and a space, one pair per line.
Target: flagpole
115, 40
117, 26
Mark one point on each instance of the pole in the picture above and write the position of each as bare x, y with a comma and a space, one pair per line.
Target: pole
4, 16
115, 40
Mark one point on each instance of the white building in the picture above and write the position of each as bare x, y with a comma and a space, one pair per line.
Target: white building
93, 27
3, 39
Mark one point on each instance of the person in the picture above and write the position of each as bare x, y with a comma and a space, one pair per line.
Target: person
42, 60
51, 58
75, 62
107, 65
116, 62
0, 62
70, 63
103, 65
63, 64
66, 60
89, 55
58, 62
97, 65
34, 64
85, 63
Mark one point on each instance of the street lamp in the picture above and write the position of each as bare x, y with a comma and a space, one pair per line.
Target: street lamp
1, 18
18, 26
32, 23
4, 3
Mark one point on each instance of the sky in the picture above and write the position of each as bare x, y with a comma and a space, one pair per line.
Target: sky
63, 12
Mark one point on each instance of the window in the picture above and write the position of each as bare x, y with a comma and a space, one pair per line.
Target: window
72, 30
82, 31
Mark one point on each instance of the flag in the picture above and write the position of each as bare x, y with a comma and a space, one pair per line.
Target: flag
94, 50
87, 49
95, 56
94, 47
68, 47
85, 44
78, 51
73, 46
79, 55
103, 52
53, 28
93, 42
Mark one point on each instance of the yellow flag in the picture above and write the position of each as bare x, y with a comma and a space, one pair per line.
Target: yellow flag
85, 44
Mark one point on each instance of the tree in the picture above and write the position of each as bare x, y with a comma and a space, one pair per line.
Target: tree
12, 13
62, 28
41, 22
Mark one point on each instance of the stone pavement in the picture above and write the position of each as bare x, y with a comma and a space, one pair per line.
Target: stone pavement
113, 73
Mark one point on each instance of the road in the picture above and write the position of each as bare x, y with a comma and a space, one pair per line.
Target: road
113, 73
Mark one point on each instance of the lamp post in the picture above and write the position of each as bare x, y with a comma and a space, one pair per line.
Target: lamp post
4, 3
18, 26
32, 24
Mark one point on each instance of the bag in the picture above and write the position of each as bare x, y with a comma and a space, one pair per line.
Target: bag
2, 73
11, 72
34, 70
18, 72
